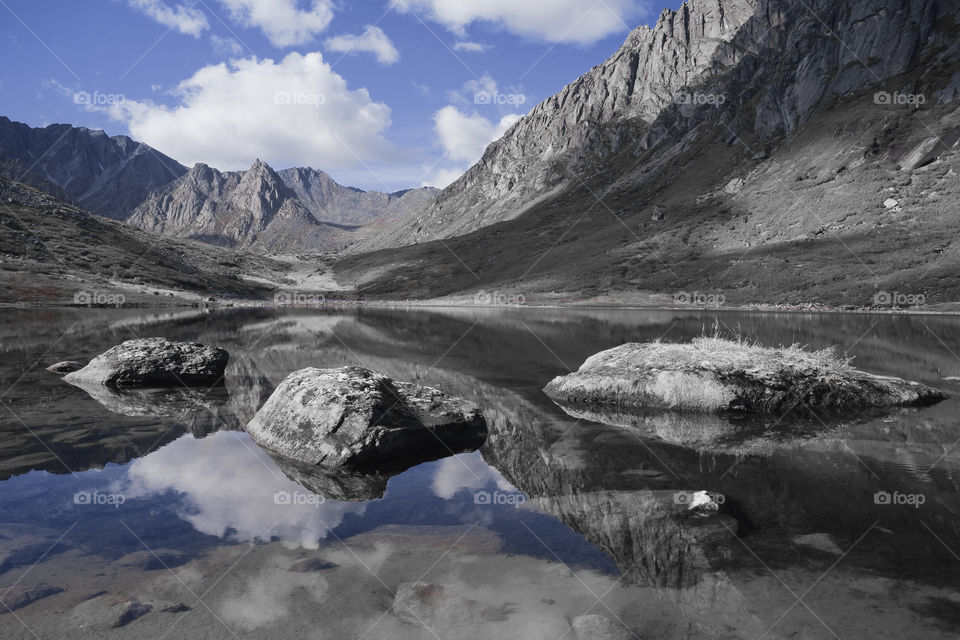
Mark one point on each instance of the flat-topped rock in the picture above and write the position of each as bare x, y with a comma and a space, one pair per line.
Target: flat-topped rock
356, 418
711, 375
154, 363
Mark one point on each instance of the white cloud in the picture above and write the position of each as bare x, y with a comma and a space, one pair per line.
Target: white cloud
550, 20
282, 21
470, 47
293, 112
372, 40
186, 20
226, 47
464, 139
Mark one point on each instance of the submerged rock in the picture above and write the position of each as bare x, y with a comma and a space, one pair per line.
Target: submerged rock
436, 606
712, 375
594, 627
154, 362
108, 611
356, 418
67, 366
820, 541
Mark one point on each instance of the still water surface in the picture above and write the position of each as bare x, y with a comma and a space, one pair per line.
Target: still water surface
163, 500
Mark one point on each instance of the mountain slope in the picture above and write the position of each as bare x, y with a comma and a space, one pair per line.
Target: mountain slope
772, 193
51, 250
597, 115
107, 175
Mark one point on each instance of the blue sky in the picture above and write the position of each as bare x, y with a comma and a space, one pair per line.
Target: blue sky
381, 94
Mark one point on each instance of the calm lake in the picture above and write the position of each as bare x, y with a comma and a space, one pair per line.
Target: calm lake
159, 506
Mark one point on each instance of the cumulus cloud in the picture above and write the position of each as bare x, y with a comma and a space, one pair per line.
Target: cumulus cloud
470, 47
464, 137
372, 40
186, 20
550, 20
293, 112
282, 21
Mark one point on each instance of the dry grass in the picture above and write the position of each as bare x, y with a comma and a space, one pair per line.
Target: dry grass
731, 356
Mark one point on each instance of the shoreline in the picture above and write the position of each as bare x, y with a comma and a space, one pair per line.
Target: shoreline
440, 304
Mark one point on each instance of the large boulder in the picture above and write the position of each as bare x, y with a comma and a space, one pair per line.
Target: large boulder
356, 418
154, 362
712, 375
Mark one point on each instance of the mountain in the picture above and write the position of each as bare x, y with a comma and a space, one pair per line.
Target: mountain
53, 252
769, 150
249, 209
107, 175
288, 211
331, 202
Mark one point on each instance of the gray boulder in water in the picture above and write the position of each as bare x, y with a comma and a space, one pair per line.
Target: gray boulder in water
356, 418
712, 375
154, 363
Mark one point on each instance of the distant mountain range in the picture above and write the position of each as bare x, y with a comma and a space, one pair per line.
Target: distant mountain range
299, 209
107, 175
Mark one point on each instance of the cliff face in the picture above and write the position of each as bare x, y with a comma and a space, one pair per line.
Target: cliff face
749, 67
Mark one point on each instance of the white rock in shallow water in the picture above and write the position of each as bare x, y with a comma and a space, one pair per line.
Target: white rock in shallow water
354, 417
890, 203
702, 501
